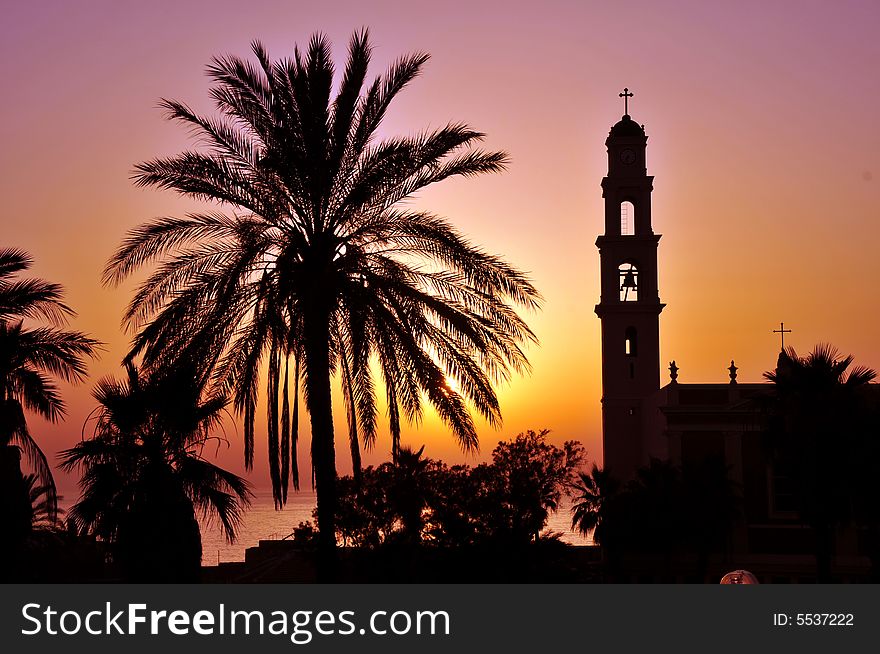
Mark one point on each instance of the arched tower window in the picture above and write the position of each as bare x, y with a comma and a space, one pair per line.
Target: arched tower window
631, 343
629, 282
627, 219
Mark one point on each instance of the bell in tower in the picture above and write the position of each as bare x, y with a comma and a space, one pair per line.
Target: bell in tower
629, 286
629, 306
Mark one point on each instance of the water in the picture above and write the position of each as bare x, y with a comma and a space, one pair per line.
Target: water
263, 522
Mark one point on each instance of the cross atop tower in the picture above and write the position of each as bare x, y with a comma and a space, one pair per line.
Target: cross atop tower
626, 95
782, 331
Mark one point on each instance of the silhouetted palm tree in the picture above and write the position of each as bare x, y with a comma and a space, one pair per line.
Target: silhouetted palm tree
817, 429
410, 490
591, 495
29, 359
144, 479
321, 261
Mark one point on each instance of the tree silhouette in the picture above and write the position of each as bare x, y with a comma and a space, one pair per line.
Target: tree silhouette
502, 505
410, 490
591, 495
527, 479
29, 359
144, 480
817, 428
322, 262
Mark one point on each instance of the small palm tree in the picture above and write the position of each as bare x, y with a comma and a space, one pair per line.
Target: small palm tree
143, 479
322, 262
590, 496
29, 359
410, 490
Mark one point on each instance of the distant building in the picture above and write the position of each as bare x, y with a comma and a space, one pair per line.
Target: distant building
685, 423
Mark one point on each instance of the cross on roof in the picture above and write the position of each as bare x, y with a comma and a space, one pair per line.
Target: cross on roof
626, 95
782, 331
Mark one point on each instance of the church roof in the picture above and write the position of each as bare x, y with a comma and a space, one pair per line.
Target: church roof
626, 126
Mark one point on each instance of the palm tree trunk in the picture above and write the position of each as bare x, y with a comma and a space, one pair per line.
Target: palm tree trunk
317, 355
15, 511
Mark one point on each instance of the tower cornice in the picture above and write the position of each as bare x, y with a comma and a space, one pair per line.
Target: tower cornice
609, 239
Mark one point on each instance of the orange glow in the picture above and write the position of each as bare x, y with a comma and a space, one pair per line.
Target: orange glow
762, 136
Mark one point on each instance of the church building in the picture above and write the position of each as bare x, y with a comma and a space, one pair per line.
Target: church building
685, 423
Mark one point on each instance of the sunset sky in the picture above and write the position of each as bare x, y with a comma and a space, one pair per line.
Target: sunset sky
764, 141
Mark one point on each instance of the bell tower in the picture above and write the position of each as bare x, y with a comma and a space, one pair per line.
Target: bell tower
629, 307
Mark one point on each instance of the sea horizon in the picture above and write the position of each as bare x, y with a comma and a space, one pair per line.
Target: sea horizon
261, 521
